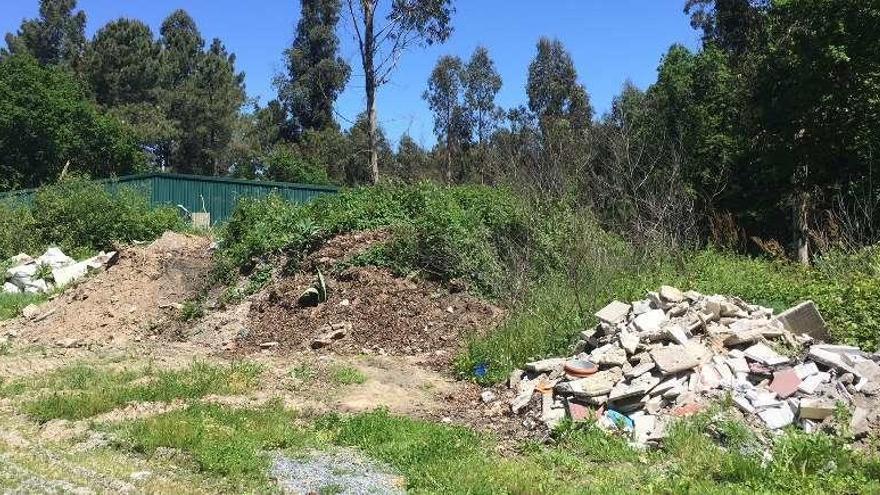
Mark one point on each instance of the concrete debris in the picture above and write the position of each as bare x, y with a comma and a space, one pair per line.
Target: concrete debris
671, 353
330, 334
52, 270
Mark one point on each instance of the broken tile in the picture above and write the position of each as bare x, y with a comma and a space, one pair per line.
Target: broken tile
785, 383
613, 313
764, 354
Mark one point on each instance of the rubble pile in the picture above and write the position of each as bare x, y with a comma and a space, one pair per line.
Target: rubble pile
52, 270
670, 354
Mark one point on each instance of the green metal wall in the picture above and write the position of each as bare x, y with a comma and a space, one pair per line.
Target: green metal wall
220, 194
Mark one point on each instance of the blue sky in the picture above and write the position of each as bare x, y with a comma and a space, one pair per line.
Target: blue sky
610, 41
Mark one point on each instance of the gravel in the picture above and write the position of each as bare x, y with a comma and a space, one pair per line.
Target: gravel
341, 472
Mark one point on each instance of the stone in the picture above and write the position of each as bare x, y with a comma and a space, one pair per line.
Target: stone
526, 389
693, 296
268, 345
11, 288
746, 337
651, 321
332, 333
640, 369
614, 313
673, 359
762, 353
806, 370
815, 408
488, 396
859, 424
743, 404
643, 427
671, 294
629, 342
553, 418
785, 383
545, 365
612, 357
810, 384
641, 307
30, 311
595, 385
67, 343
804, 319
777, 417
677, 334
667, 384
514, 378
738, 364
823, 355
65, 275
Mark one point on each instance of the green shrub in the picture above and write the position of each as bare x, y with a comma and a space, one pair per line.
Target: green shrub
18, 232
286, 164
471, 232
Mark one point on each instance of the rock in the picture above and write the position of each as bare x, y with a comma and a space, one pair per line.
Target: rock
777, 417
514, 378
815, 408
671, 294
67, 343
612, 357
30, 311
804, 319
643, 427
677, 334
640, 369
553, 417
614, 313
595, 385
488, 396
11, 288
828, 357
141, 475
673, 359
66, 274
810, 384
269, 345
806, 370
641, 307
651, 321
859, 424
762, 353
331, 334
545, 365
629, 342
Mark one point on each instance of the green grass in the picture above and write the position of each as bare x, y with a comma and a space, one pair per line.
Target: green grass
82, 391
223, 441
12, 304
346, 375
710, 453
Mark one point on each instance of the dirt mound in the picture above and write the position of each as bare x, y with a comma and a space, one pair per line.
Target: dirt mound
387, 314
127, 300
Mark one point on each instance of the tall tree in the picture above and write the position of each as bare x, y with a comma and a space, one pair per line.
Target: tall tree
316, 74
552, 87
731, 25
122, 63
411, 159
56, 37
444, 97
182, 46
381, 45
482, 84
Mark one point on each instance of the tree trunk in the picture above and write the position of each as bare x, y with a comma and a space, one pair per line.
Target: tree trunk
801, 231
368, 54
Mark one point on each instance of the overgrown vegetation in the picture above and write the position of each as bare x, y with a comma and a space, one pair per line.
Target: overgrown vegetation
81, 217
471, 233
12, 304
82, 391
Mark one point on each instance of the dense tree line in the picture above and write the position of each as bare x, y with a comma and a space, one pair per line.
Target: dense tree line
763, 138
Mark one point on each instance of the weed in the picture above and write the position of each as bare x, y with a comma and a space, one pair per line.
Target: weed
12, 304
346, 375
192, 310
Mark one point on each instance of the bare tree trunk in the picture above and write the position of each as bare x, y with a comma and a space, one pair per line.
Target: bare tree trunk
370, 86
801, 231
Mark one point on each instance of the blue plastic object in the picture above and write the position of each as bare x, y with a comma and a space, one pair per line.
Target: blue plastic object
619, 420
480, 370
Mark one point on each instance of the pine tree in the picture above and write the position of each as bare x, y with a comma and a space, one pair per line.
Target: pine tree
56, 37
316, 74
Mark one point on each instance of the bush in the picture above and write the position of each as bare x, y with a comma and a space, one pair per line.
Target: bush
285, 164
81, 216
469, 233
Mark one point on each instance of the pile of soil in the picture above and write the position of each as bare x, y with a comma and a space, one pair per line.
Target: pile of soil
128, 300
387, 314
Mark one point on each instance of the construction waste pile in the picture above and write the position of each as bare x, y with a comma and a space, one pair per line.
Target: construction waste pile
671, 354
52, 270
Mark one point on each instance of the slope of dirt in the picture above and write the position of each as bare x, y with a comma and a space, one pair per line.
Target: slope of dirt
386, 314
127, 300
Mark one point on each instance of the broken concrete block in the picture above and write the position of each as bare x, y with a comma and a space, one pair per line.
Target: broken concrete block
673, 359
66, 274
545, 365
806, 369
859, 424
762, 353
667, 384
615, 356
777, 417
677, 334
815, 408
30, 311
804, 319
11, 288
595, 385
823, 355
640, 369
638, 387
614, 313
671, 294
785, 383
710, 379
810, 384
738, 364
651, 321
629, 342
643, 427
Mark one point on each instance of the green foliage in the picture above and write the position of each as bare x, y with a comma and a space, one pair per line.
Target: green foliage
56, 37
470, 233
223, 441
553, 89
80, 391
285, 164
78, 214
46, 120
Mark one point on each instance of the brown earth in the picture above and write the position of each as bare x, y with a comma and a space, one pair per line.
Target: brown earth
127, 301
